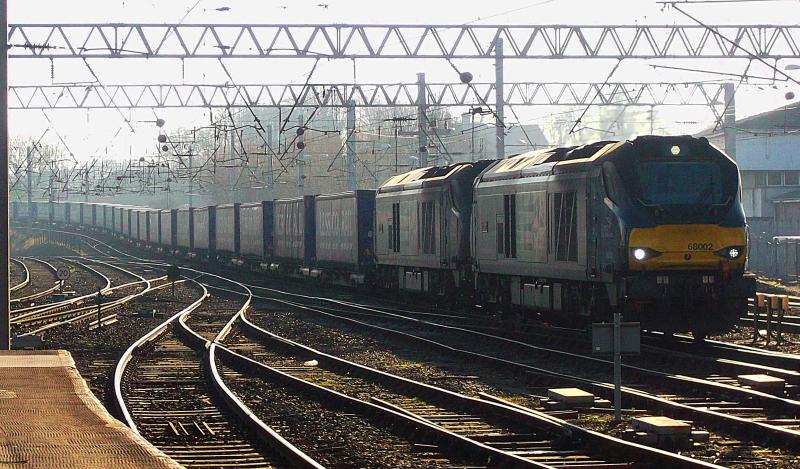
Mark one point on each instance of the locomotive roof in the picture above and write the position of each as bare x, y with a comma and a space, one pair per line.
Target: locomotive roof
430, 176
543, 162
539, 161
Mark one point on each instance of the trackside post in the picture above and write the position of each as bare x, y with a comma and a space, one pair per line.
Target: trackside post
615, 339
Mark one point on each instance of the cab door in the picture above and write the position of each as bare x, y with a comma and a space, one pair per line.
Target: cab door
490, 217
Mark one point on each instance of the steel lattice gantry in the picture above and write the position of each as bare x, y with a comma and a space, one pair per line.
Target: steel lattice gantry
401, 41
363, 95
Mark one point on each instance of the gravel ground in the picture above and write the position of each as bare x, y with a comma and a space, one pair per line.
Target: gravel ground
335, 439
402, 359
96, 353
215, 312
732, 452
768, 285
81, 280
390, 355
743, 335
42, 278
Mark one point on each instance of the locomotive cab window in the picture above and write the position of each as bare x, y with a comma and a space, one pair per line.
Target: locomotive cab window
612, 183
680, 183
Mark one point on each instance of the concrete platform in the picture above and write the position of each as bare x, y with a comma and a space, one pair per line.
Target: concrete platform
50, 419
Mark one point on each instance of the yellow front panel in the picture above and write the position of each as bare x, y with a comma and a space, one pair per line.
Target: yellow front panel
686, 247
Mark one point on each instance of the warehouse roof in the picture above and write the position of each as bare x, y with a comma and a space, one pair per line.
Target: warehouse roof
782, 119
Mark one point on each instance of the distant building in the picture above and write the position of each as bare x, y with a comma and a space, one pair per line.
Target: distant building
768, 154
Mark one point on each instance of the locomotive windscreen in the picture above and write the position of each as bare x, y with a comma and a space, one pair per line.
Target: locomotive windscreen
673, 180
680, 183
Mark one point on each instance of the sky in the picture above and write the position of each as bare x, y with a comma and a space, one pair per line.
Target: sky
105, 132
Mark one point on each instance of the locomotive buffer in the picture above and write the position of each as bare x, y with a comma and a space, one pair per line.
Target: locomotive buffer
615, 339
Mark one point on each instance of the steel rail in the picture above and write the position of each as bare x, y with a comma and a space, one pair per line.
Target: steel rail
740, 426
758, 396
214, 348
126, 357
445, 437
42, 293
24, 283
264, 432
519, 414
26, 313
91, 311
40, 314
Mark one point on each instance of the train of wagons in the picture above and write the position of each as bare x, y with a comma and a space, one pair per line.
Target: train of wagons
651, 227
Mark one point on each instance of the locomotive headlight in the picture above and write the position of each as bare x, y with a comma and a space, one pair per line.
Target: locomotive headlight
642, 254
730, 252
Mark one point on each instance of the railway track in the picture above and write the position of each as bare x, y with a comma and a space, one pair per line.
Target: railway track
715, 349
209, 325
165, 392
36, 320
789, 324
20, 272
493, 442
773, 417
527, 434
776, 416
760, 424
38, 272
666, 354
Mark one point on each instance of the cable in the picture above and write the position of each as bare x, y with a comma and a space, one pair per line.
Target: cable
578, 121
734, 44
